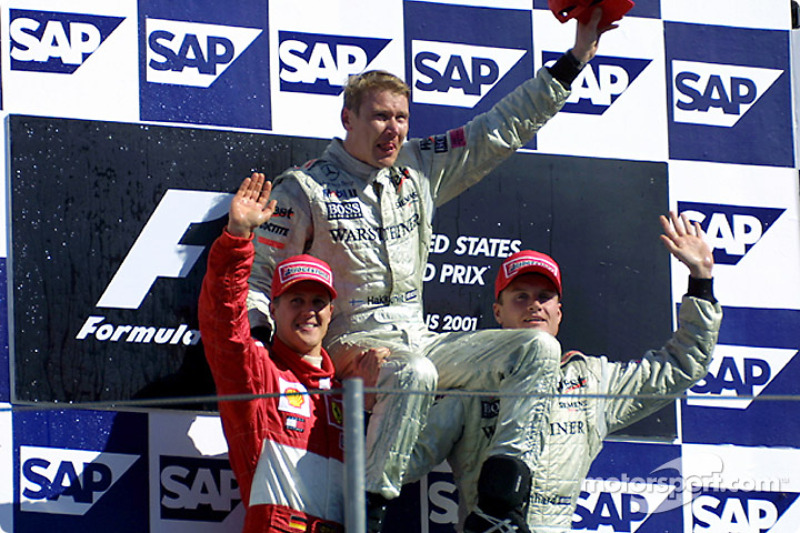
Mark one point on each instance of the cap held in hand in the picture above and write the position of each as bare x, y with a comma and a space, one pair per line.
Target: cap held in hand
613, 10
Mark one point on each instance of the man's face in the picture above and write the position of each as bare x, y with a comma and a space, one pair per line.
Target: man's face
302, 315
530, 301
376, 133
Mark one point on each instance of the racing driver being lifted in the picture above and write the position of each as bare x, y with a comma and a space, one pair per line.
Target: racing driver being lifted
366, 207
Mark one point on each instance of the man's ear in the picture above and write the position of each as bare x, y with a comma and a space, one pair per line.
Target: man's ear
496, 310
560, 313
346, 118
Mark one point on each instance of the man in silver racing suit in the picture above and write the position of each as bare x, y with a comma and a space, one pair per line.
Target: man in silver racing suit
366, 206
528, 296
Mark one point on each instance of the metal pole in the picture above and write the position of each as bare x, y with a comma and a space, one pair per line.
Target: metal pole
354, 469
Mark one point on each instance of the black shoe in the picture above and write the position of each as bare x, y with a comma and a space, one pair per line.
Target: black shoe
376, 512
504, 487
480, 522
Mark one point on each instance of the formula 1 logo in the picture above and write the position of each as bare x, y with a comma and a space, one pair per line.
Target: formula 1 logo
751, 512
44, 41
66, 481
731, 230
600, 83
198, 489
157, 251
738, 371
714, 94
193, 54
320, 64
460, 75
618, 506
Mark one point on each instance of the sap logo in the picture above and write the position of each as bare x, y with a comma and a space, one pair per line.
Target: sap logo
713, 94
600, 83
197, 489
157, 251
320, 64
442, 494
738, 371
193, 54
731, 230
746, 512
458, 75
65, 481
45, 41
614, 505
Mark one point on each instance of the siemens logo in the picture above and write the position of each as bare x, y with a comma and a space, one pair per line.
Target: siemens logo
459, 75
731, 230
199, 489
193, 54
45, 41
738, 371
66, 481
714, 94
320, 64
600, 83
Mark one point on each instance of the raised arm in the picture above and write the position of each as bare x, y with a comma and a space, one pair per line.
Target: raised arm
231, 352
685, 357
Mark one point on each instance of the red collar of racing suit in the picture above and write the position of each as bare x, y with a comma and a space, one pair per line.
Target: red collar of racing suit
306, 372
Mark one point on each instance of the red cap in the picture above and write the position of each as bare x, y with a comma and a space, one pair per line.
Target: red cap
527, 262
301, 268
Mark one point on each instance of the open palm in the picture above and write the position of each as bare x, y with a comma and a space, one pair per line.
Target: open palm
250, 206
685, 241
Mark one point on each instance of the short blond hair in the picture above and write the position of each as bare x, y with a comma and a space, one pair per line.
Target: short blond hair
372, 80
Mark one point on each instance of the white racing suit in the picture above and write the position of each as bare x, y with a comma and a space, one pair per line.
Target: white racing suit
373, 226
459, 428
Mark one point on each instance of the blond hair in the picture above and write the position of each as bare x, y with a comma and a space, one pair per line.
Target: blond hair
373, 80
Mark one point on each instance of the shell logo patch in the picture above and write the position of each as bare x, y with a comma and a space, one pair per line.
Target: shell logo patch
294, 398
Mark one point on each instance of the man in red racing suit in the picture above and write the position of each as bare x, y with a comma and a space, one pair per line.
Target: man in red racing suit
285, 451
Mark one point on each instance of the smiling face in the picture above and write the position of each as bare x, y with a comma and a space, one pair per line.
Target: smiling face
302, 315
377, 130
530, 301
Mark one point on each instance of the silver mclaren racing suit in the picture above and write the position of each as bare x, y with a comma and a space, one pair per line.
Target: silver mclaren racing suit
459, 428
373, 226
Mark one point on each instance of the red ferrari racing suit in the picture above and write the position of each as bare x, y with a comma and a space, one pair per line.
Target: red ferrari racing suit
286, 452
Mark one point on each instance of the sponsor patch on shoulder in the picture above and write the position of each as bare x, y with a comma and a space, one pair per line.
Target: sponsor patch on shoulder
458, 138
